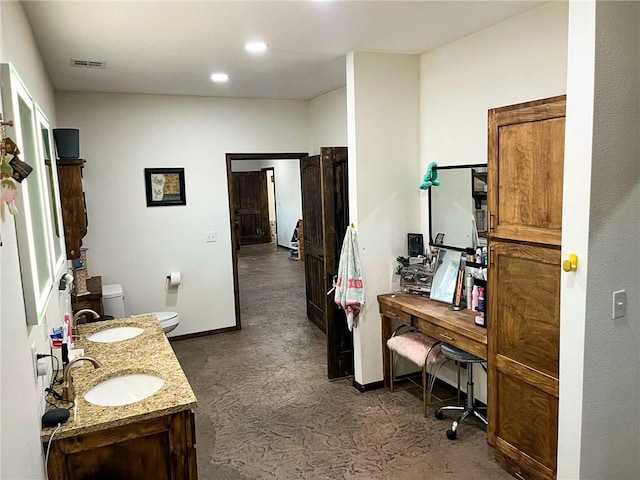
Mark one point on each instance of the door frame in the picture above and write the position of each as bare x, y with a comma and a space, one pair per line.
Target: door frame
275, 200
234, 253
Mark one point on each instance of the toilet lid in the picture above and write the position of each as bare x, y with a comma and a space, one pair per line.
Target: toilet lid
165, 316
111, 291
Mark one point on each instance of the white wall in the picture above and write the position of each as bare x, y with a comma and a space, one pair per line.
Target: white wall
575, 232
288, 192
518, 60
383, 138
137, 246
328, 114
22, 396
611, 390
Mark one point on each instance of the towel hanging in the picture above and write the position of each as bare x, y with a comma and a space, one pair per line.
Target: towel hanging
349, 287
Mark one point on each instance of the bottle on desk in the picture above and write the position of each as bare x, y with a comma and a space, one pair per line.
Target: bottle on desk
468, 288
480, 319
474, 298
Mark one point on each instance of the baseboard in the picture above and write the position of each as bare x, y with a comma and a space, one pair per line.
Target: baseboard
202, 334
368, 386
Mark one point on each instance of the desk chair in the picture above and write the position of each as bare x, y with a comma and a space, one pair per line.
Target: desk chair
453, 353
419, 349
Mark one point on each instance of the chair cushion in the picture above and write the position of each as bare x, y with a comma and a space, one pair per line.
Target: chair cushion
454, 353
414, 346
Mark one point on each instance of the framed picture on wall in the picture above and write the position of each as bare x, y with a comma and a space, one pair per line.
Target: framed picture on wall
164, 186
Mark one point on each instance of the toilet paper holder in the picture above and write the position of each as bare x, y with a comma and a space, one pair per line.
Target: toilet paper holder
173, 280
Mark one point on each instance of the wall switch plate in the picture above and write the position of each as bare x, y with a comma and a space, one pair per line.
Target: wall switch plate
210, 237
619, 304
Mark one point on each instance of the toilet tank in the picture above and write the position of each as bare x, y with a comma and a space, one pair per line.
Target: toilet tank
113, 300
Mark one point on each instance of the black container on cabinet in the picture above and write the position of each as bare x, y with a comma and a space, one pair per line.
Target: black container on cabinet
67, 142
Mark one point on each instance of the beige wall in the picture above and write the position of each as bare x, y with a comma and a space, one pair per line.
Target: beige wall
383, 135
137, 246
22, 402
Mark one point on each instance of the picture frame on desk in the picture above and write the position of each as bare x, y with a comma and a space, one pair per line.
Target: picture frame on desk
480, 216
443, 286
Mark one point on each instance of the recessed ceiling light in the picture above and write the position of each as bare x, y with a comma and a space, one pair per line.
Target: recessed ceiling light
255, 47
220, 77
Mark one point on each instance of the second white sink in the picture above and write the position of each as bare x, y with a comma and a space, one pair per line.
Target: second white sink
116, 334
124, 390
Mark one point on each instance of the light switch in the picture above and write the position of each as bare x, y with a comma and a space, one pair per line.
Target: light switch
210, 237
619, 303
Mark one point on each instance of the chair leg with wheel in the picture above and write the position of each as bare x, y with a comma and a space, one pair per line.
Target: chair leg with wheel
469, 409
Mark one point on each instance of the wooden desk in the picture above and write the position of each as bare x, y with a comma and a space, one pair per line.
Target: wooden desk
432, 318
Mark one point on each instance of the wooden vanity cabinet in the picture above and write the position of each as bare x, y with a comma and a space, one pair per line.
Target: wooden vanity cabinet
74, 212
526, 156
160, 448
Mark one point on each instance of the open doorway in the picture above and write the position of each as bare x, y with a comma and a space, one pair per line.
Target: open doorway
285, 197
271, 201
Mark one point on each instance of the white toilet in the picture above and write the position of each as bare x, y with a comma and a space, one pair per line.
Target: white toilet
113, 304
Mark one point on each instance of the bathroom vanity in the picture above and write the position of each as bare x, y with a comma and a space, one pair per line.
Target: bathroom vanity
150, 438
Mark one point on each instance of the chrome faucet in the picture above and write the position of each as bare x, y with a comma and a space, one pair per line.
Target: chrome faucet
78, 314
68, 391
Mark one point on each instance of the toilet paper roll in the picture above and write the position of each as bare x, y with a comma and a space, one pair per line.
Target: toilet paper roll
173, 280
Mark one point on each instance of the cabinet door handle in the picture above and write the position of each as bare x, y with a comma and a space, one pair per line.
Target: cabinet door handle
519, 475
391, 314
492, 222
445, 336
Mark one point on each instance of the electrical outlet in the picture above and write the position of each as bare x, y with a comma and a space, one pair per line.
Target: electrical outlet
34, 361
210, 237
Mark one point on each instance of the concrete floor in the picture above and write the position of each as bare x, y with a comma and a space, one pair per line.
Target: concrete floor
267, 411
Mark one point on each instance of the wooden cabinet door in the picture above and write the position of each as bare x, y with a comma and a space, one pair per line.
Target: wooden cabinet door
526, 154
524, 345
160, 448
74, 213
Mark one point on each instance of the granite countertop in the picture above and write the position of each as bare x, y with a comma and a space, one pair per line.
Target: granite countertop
149, 352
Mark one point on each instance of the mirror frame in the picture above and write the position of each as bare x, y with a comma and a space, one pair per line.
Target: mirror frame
431, 232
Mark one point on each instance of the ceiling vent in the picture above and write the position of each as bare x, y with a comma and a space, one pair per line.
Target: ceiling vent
88, 64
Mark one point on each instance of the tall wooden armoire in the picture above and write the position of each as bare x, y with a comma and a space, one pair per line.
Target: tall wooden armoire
526, 156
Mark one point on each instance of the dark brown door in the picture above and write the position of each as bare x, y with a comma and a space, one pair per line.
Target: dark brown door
325, 214
252, 207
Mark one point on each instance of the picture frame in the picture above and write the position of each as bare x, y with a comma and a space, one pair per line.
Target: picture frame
165, 187
445, 279
481, 220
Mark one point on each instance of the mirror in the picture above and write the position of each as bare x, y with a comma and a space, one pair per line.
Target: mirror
33, 220
52, 189
446, 277
458, 207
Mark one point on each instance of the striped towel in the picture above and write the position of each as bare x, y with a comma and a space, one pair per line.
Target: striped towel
349, 290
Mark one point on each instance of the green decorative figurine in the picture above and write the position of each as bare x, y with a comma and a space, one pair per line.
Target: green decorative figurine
430, 178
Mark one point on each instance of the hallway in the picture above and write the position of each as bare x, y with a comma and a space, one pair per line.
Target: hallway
267, 411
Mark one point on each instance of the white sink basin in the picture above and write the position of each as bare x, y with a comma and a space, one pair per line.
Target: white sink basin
124, 390
116, 334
